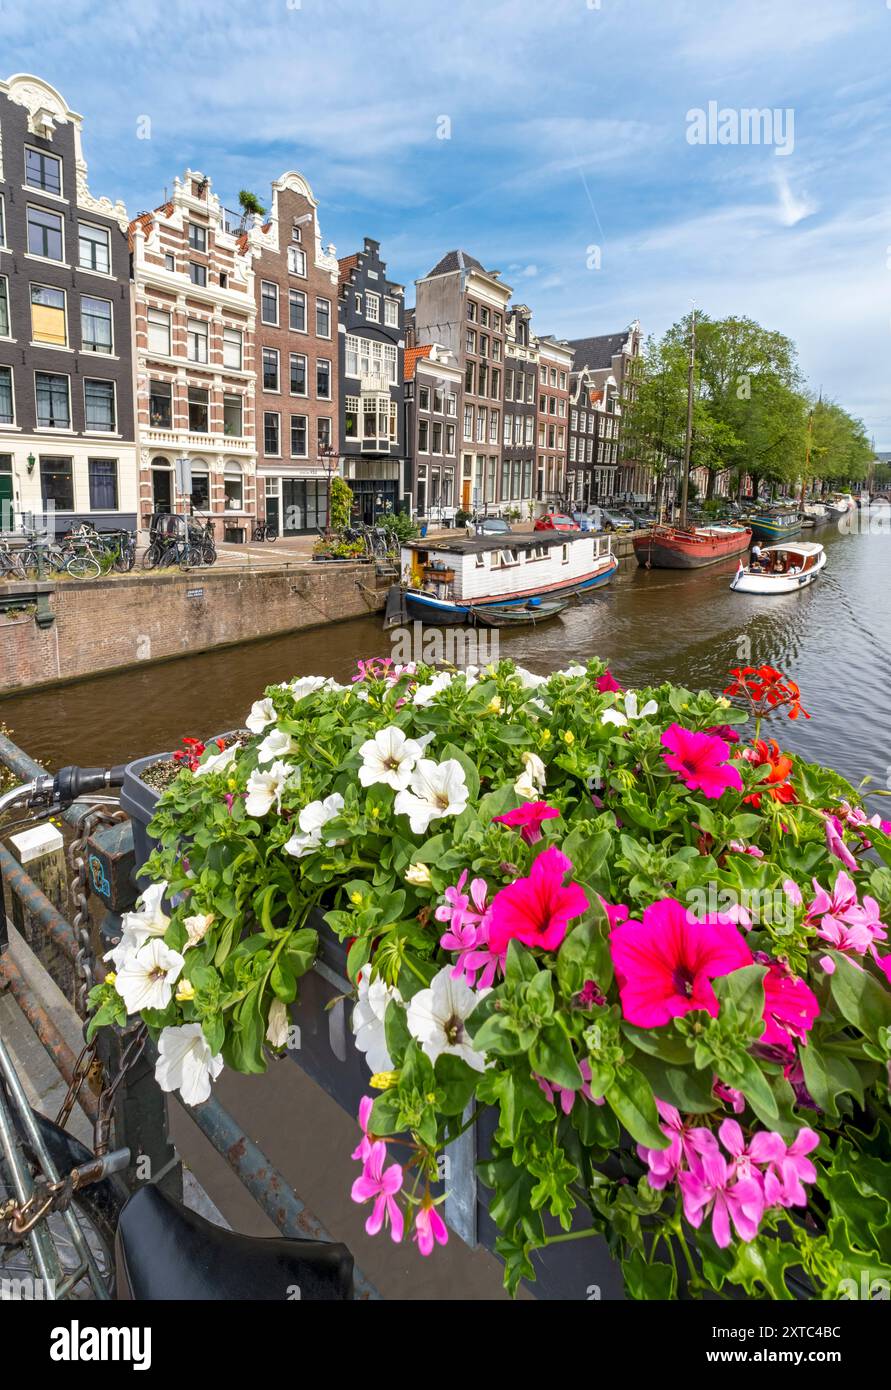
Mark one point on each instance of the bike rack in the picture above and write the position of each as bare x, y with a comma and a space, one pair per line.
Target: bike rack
141, 1111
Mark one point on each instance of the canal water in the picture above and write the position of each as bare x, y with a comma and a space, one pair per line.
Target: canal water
834, 638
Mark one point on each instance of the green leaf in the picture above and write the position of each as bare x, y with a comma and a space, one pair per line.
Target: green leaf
396, 1032
686, 1087
584, 955
743, 991
645, 1281
471, 775
828, 1075
552, 1057
860, 998
631, 1097
455, 1084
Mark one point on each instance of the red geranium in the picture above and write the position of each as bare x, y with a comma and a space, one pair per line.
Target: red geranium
777, 786
765, 689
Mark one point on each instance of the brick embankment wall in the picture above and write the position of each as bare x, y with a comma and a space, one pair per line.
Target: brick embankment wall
103, 624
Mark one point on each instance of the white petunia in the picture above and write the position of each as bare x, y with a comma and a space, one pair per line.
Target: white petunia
435, 790
312, 820
307, 685
264, 789
528, 679
531, 781
418, 875
218, 762
147, 977
279, 1023
262, 713
390, 758
197, 927
276, 744
140, 926
574, 670
186, 1064
368, 1021
436, 1018
615, 716
425, 694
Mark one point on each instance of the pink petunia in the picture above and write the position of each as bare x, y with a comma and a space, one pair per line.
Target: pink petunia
528, 819
665, 963
607, 683
615, 912
790, 1007
381, 1185
537, 910
429, 1227
700, 761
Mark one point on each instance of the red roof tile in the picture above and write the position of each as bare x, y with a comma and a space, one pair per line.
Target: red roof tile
411, 356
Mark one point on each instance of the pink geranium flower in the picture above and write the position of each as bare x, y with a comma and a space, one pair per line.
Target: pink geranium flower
792, 1169
837, 903
716, 1188
537, 910
429, 1227
700, 760
565, 1098
687, 1142
665, 963
835, 842
363, 1150
381, 1185
528, 819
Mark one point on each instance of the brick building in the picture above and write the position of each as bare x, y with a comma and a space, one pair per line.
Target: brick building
194, 314
432, 405
67, 447
521, 363
552, 420
296, 345
595, 415
616, 356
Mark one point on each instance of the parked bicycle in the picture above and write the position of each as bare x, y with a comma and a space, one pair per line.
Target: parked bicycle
264, 531
66, 1219
11, 566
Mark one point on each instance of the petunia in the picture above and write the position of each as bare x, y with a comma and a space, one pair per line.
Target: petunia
388, 758
665, 963
276, 744
264, 789
149, 920
537, 910
186, 1064
614, 716
426, 694
700, 761
262, 713
531, 781
197, 927
436, 1018
607, 683
381, 1185
147, 977
790, 1008
308, 685
218, 762
312, 821
429, 1227
278, 1023
375, 997
528, 819
434, 790
418, 875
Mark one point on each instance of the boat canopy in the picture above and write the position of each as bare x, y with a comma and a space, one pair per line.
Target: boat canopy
798, 547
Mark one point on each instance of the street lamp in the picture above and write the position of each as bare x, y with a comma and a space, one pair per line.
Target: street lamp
328, 455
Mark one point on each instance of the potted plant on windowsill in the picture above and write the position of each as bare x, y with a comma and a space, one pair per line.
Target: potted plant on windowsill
642, 959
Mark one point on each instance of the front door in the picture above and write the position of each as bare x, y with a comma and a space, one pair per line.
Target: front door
6, 494
465, 494
162, 492
273, 513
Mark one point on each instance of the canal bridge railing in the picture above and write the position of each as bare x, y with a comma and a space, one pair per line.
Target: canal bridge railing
140, 1115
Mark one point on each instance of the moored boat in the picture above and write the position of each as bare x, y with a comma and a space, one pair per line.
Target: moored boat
789, 567
518, 614
451, 581
816, 513
691, 547
775, 526
840, 505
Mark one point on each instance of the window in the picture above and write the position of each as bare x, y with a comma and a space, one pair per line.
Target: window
48, 323
57, 483
298, 436
270, 369
437, 437
103, 474
323, 318
423, 398
45, 234
484, 316
484, 345
299, 385
323, 432
43, 171
391, 313
199, 410
200, 491
93, 248
496, 349
450, 439
99, 411
323, 380
197, 273
297, 311
197, 237
159, 332
423, 436
496, 323
196, 338
468, 422
471, 340
271, 432
368, 358
53, 404
95, 324
351, 417
483, 379
169, 261
224, 280
233, 416
496, 383
470, 378
494, 424
7, 407
452, 405
2, 220
373, 307
269, 302
296, 234
296, 260
233, 488
232, 349
161, 405
438, 400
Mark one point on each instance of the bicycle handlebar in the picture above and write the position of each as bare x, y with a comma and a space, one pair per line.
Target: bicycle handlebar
61, 791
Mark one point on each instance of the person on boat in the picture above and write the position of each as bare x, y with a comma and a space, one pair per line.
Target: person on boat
757, 556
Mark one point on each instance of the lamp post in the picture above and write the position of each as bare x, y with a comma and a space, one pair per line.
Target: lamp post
328, 456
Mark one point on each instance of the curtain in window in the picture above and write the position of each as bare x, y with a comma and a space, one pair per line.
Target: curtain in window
99, 401
103, 485
96, 315
52, 402
6, 415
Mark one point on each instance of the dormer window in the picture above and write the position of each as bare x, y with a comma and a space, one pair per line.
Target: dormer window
296, 234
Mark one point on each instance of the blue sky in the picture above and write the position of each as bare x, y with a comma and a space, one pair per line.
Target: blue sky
568, 131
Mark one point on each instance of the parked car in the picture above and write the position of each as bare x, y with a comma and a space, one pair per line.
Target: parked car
493, 526
617, 521
555, 521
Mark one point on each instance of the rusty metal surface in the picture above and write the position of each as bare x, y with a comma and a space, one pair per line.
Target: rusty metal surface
37, 903
56, 1046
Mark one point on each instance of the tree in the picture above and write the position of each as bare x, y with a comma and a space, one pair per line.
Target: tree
250, 204
840, 449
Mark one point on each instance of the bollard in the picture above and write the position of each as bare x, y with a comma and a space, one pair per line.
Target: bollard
40, 851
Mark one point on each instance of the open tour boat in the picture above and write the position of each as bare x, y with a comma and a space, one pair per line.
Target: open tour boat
450, 581
791, 567
688, 548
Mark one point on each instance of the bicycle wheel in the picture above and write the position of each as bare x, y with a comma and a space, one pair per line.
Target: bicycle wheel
84, 567
208, 553
28, 560
151, 556
271, 533
169, 557
12, 567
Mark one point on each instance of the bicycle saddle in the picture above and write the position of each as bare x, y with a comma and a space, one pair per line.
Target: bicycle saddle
165, 1251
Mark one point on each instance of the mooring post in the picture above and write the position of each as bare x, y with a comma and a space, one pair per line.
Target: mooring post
41, 852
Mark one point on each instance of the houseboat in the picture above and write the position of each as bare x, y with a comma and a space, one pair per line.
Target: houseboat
447, 581
775, 526
689, 548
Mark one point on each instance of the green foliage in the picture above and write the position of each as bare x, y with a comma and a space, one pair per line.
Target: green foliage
341, 503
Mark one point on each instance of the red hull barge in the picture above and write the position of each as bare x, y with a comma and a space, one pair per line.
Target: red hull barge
667, 548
